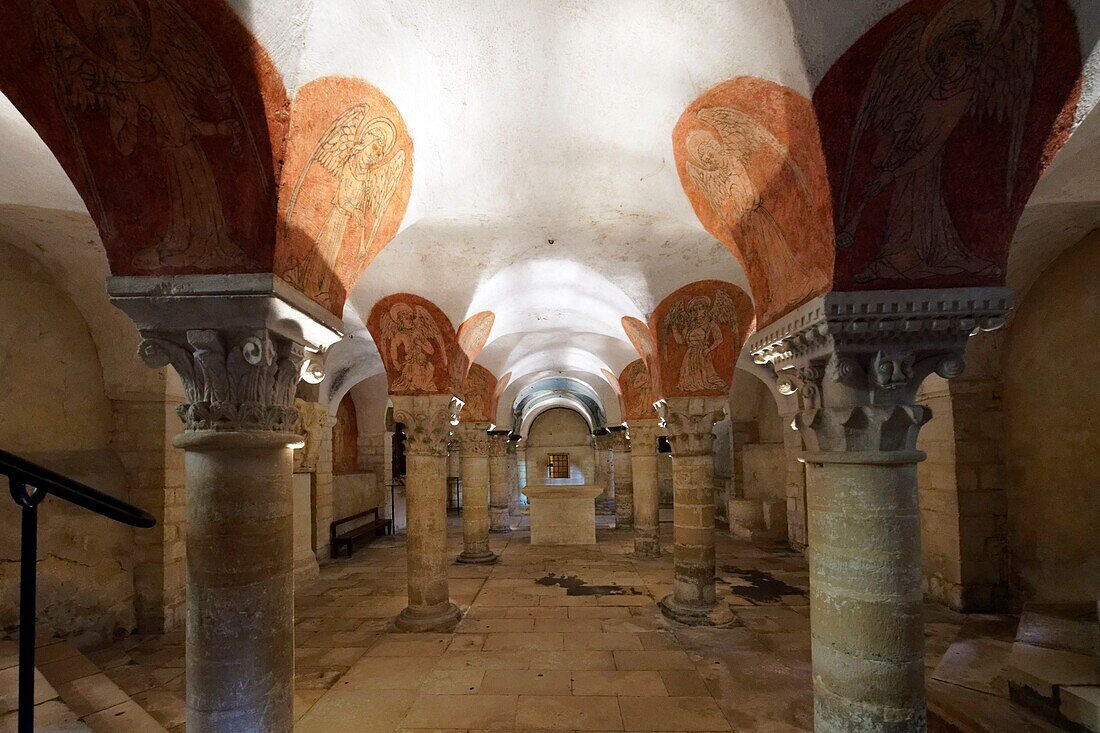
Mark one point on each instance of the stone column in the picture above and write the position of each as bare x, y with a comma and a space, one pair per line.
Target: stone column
796, 482
511, 475
240, 359
473, 441
693, 601
601, 441
498, 481
624, 484
647, 500
855, 361
427, 421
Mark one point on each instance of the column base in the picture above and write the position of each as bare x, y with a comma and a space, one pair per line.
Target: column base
442, 618
717, 616
500, 530
477, 558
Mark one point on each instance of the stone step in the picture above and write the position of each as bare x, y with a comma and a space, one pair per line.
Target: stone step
1070, 627
101, 705
51, 714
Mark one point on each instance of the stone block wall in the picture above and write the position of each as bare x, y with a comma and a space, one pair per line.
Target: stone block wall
142, 439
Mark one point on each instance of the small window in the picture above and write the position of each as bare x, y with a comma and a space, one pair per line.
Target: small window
557, 465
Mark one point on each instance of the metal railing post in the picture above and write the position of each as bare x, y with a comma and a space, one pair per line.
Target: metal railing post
28, 591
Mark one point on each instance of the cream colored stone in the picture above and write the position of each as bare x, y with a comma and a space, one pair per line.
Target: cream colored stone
563, 515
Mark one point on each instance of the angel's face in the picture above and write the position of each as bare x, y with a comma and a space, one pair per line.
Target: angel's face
955, 52
699, 311
124, 36
705, 150
405, 320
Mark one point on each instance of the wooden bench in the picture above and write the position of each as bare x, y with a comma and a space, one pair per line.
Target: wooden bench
370, 529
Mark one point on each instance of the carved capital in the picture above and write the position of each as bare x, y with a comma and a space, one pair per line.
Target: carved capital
602, 442
644, 435
854, 361
620, 439
690, 423
473, 438
234, 380
427, 421
312, 420
498, 443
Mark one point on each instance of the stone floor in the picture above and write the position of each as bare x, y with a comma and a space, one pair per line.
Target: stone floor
560, 638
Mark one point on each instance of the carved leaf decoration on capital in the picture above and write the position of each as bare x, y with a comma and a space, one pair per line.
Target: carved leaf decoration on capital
232, 381
427, 432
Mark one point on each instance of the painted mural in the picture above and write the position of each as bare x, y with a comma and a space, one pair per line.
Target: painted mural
700, 330
637, 392
346, 183
478, 390
936, 125
416, 342
750, 161
472, 336
345, 438
640, 335
161, 113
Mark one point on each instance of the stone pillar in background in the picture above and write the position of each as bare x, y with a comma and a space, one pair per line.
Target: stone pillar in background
511, 475
498, 481
693, 601
473, 440
239, 360
855, 361
601, 443
310, 426
796, 481
427, 421
621, 474
647, 500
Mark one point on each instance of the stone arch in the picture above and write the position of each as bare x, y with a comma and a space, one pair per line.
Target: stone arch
560, 429
936, 125
55, 411
179, 172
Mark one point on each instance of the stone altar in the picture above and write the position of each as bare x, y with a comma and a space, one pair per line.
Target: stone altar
563, 514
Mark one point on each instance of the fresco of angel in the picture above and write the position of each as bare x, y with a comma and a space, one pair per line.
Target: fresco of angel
696, 323
158, 70
719, 166
410, 338
476, 393
356, 151
965, 61
639, 390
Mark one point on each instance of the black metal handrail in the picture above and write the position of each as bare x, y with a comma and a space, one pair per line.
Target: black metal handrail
29, 484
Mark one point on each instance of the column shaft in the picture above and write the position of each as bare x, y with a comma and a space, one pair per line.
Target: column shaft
498, 483
240, 594
693, 600
622, 476
647, 510
475, 494
865, 597
427, 420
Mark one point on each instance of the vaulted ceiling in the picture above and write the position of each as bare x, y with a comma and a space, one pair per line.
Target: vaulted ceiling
545, 187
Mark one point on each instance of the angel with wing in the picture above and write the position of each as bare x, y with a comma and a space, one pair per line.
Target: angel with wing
409, 339
967, 60
356, 151
157, 70
719, 166
697, 323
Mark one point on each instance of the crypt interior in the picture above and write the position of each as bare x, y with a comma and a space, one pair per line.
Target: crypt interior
550, 365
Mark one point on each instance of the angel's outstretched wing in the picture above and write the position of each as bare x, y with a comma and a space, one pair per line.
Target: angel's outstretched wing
332, 151
723, 311
1006, 79
388, 328
744, 136
430, 329
676, 322
380, 187
897, 85
80, 80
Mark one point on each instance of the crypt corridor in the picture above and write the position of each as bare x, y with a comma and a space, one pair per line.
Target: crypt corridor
550, 365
